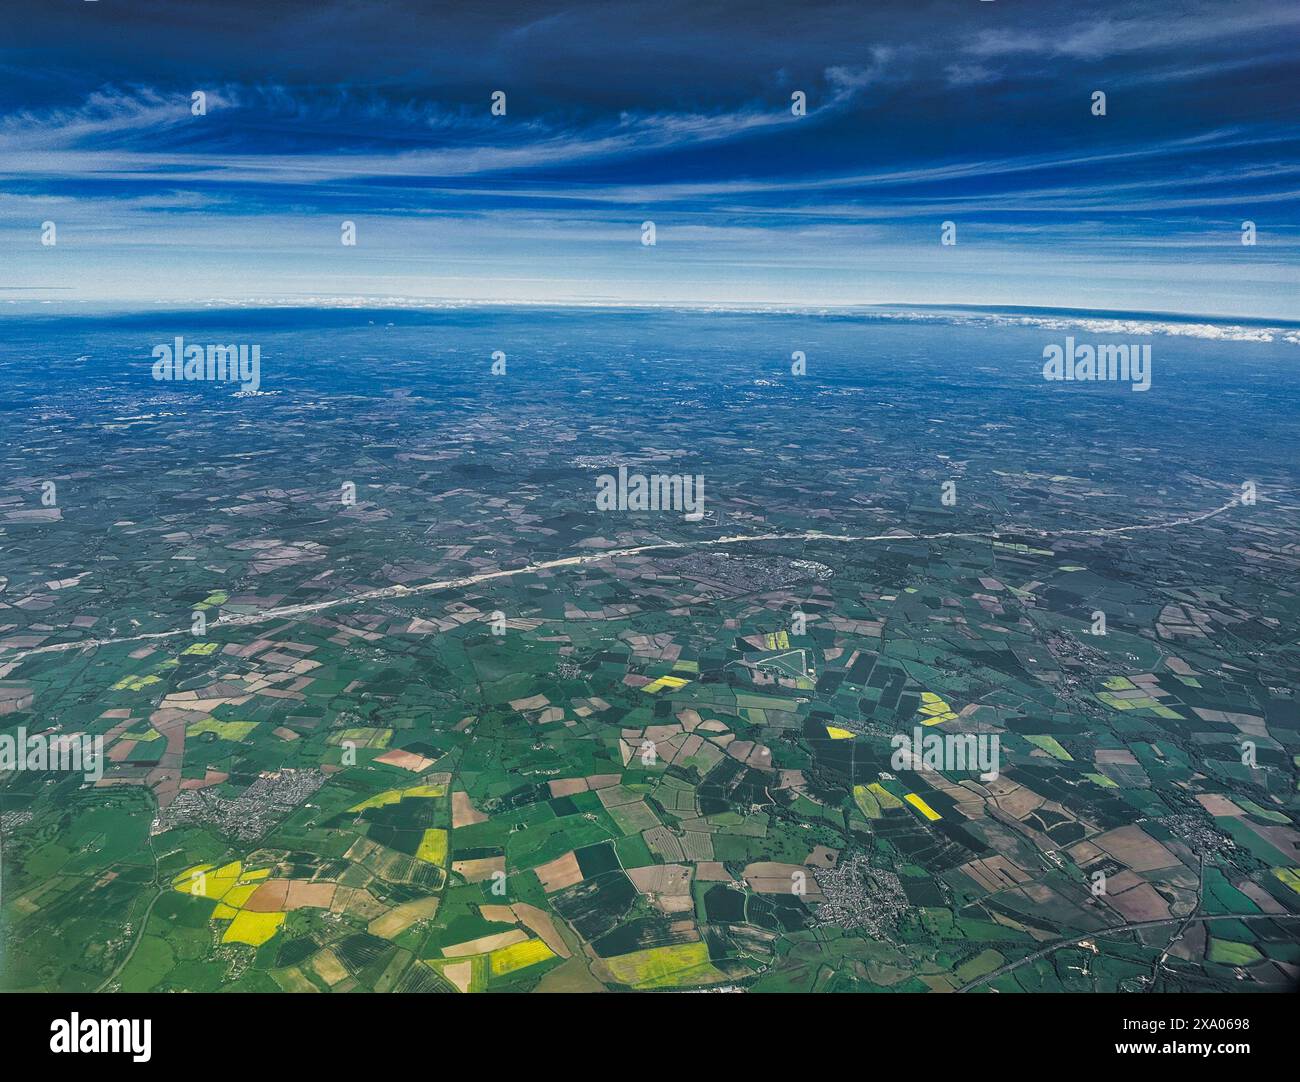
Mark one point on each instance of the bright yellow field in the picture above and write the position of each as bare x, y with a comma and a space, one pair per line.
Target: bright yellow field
230, 886
924, 808
425, 791
225, 730
204, 882
934, 710
866, 802
665, 682
253, 928
379, 800
136, 683
665, 967
839, 734
519, 956
392, 796
433, 846
239, 894
1052, 746
183, 881
886, 798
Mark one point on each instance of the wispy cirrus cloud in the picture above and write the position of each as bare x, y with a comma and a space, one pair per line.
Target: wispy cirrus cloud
1104, 36
115, 134
916, 115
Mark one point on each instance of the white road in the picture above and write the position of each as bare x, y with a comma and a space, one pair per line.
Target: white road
287, 611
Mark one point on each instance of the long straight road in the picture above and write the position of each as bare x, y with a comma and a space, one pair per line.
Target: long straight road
290, 611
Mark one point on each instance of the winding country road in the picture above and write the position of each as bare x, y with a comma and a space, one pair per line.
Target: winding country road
267, 615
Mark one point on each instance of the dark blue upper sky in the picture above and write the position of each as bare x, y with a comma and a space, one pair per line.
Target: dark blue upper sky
976, 112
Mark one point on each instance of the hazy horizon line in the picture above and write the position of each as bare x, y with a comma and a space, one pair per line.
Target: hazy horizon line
398, 303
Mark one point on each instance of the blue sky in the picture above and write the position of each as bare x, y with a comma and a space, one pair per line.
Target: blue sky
970, 111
